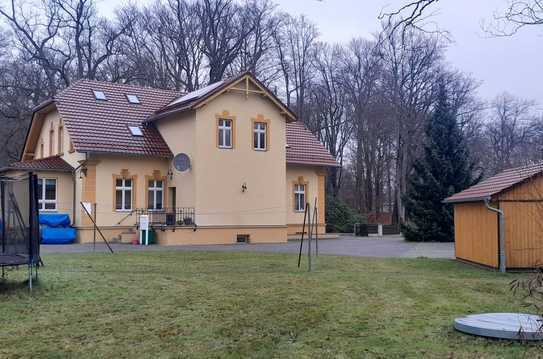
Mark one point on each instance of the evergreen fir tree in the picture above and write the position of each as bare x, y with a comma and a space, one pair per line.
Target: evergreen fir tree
444, 169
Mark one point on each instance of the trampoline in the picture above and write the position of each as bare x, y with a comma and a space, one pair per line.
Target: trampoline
19, 226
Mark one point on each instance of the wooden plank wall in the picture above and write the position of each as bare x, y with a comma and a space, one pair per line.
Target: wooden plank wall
523, 208
476, 233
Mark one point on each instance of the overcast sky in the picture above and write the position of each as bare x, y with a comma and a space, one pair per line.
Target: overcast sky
512, 64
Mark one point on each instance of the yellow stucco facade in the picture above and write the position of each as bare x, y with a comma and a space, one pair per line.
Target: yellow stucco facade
233, 191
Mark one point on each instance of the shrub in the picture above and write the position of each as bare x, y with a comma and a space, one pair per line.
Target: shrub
340, 217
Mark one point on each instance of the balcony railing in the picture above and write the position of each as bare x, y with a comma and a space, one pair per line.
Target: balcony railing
167, 217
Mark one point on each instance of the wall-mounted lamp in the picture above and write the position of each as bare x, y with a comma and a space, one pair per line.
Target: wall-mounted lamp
170, 174
244, 187
83, 172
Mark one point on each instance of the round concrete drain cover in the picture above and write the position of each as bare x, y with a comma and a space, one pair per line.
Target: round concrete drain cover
514, 326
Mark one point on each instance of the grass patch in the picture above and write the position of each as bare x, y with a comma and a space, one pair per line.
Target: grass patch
231, 305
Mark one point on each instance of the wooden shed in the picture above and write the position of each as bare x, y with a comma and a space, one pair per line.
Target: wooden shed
506, 208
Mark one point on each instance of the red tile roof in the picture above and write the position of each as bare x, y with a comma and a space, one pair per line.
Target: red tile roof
53, 164
102, 125
305, 148
496, 184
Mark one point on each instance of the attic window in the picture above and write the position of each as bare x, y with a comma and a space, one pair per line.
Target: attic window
99, 95
135, 131
133, 99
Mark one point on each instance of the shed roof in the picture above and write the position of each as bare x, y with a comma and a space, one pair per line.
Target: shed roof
496, 184
52, 164
304, 148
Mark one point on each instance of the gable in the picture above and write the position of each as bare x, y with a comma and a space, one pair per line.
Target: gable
39, 118
245, 84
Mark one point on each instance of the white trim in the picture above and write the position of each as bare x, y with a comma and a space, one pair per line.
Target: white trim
43, 201
124, 188
299, 197
260, 128
155, 189
225, 128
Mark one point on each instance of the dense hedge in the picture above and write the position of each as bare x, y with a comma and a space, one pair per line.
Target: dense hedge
340, 217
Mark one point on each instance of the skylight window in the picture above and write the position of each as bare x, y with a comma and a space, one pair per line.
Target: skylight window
135, 131
133, 99
99, 95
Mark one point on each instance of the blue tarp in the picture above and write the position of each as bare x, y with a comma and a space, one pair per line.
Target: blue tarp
55, 229
58, 235
55, 220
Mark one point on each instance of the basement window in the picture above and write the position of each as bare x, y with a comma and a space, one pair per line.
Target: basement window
99, 95
133, 99
242, 238
135, 131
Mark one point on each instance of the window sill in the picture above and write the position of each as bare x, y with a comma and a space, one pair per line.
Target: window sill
260, 149
123, 210
225, 148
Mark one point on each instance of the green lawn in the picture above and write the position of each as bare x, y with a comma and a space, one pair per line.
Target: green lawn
206, 305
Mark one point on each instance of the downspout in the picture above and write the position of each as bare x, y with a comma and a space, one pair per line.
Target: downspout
74, 180
501, 228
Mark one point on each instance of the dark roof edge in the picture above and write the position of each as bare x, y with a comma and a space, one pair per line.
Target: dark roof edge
309, 163
466, 200
139, 155
42, 105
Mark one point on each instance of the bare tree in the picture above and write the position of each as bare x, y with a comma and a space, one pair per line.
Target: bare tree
225, 26
517, 15
328, 104
257, 48
509, 131
295, 39
412, 67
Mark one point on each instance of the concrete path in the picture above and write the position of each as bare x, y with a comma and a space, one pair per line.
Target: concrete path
388, 246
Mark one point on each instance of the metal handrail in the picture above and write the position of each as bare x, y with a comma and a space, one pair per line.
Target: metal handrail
168, 217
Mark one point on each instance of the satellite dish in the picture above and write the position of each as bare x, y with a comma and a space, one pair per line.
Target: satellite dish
181, 162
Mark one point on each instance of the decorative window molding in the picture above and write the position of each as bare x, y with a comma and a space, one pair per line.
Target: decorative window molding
226, 131
155, 194
260, 133
47, 194
300, 194
153, 190
124, 192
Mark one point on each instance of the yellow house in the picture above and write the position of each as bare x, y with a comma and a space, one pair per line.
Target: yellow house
227, 163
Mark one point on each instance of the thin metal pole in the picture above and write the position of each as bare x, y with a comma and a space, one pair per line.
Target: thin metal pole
98, 229
316, 223
302, 241
3, 199
94, 228
310, 264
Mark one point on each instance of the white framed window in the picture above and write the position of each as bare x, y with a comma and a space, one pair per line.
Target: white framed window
99, 95
47, 194
299, 197
133, 99
155, 195
123, 194
135, 131
225, 133
260, 130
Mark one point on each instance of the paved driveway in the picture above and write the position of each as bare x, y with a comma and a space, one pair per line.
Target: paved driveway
388, 246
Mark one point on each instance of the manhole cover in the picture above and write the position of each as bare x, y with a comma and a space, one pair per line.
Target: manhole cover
515, 326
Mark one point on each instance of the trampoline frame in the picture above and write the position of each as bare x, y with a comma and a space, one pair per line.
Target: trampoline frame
10, 255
